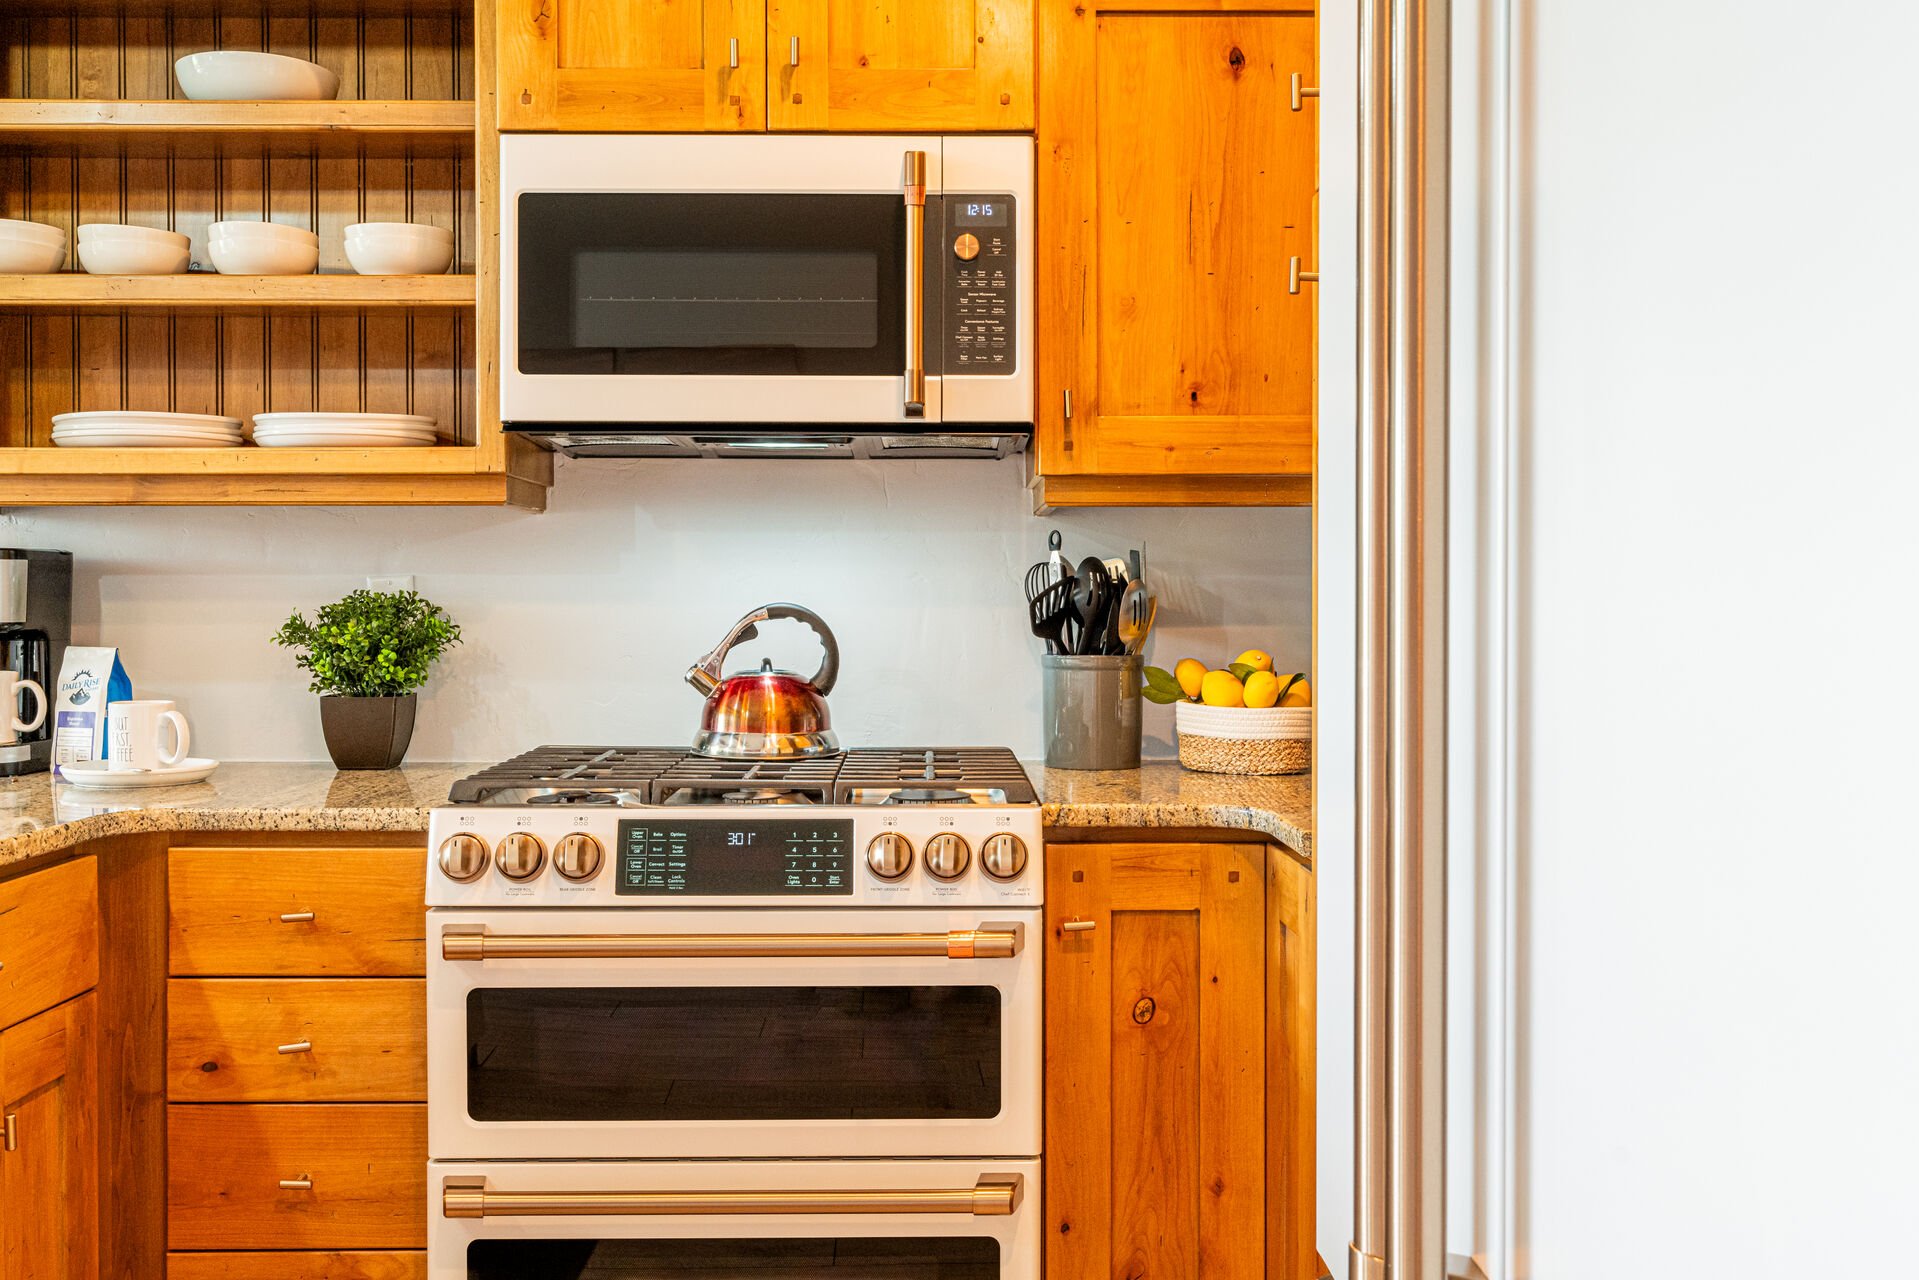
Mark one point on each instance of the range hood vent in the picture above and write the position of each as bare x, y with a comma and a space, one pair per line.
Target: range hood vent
764, 440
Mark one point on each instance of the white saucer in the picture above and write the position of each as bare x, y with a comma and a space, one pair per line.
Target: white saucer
94, 773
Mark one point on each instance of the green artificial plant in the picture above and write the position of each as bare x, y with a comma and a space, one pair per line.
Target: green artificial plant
372, 644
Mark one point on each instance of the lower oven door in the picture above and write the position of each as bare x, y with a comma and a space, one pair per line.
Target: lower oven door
770, 1220
669, 1034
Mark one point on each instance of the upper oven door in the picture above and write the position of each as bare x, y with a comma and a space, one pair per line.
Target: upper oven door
674, 279
608, 1034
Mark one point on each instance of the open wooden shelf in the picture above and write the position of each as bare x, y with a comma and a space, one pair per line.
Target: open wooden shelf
263, 8
88, 127
207, 292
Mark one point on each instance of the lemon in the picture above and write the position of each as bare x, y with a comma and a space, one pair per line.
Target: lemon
1257, 659
1262, 689
1300, 695
1189, 673
1221, 689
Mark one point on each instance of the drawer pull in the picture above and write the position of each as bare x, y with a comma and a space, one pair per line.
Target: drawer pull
298, 1046
296, 917
992, 1196
296, 1184
12, 1128
1080, 926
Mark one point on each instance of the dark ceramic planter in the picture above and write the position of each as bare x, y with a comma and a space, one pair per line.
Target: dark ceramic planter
367, 733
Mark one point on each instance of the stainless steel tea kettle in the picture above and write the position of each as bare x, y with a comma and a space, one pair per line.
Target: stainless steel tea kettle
766, 714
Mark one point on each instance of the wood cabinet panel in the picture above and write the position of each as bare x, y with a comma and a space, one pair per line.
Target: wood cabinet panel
366, 1166
879, 65
689, 66
377, 1264
236, 1040
49, 1164
49, 938
243, 912
1177, 185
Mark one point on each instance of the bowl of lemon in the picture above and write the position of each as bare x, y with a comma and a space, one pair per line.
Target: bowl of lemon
1244, 717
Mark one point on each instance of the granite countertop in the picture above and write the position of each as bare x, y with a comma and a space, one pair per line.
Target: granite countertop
40, 816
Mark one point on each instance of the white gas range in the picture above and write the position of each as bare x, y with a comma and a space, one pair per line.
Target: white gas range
677, 999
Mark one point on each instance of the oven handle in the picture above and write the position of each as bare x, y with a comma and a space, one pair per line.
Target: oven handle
915, 182
995, 1195
988, 942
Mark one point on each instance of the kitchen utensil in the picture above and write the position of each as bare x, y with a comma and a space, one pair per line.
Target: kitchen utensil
107, 250
1049, 612
235, 75
1055, 558
399, 249
1130, 627
134, 729
96, 773
1118, 571
1090, 710
766, 714
1089, 599
31, 248
1038, 578
12, 685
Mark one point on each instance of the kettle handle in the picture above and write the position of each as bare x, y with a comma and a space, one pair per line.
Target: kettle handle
704, 675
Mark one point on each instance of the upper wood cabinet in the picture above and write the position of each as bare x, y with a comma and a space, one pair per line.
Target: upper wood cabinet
732, 65
1177, 189
49, 1161
669, 65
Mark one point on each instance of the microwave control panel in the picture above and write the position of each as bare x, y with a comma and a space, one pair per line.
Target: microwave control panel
978, 250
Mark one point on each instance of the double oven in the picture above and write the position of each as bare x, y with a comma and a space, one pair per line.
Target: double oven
742, 1042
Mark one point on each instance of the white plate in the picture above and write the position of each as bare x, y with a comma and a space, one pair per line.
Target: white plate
141, 440
143, 418
114, 429
304, 420
94, 773
324, 429
336, 440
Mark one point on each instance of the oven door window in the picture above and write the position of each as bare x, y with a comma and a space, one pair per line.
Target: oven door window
917, 1258
687, 284
733, 1053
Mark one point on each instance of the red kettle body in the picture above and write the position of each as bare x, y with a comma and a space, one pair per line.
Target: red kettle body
766, 714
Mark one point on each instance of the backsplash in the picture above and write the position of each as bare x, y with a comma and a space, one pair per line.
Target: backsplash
580, 623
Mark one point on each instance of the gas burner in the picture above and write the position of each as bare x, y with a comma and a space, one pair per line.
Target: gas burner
576, 797
927, 795
764, 795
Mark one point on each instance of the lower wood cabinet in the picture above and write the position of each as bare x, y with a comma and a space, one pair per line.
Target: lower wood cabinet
360, 1264
296, 1040
49, 1159
1179, 1062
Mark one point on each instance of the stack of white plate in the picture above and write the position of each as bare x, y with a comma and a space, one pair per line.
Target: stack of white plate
343, 430
262, 249
122, 429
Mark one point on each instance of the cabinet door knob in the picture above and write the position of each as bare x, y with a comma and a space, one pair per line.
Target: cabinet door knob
298, 1046
1080, 926
1295, 277
12, 1130
1302, 91
794, 59
296, 1184
306, 917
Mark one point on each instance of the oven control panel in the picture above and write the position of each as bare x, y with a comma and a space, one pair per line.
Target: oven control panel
980, 285
880, 856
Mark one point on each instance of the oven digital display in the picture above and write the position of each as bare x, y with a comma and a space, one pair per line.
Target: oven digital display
686, 859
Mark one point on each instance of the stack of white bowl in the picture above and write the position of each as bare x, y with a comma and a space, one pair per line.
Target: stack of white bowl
124, 429
399, 248
343, 430
237, 75
262, 249
111, 249
31, 248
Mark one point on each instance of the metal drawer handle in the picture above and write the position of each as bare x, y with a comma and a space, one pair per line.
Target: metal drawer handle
1295, 277
733, 52
1080, 926
298, 1046
296, 1184
12, 1131
988, 942
993, 1196
296, 917
794, 60
1302, 91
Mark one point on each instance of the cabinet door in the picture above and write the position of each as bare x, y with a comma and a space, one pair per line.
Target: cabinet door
1176, 187
49, 1170
881, 65
666, 65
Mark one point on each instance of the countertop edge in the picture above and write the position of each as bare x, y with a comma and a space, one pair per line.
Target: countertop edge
1148, 815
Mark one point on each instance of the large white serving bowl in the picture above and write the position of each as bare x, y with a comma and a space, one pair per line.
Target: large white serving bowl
235, 75
388, 254
261, 231
263, 256
133, 256
30, 249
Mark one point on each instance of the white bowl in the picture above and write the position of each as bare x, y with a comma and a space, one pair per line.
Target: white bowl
261, 231
103, 231
31, 232
20, 256
422, 230
122, 256
395, 255
233, 75
263, 256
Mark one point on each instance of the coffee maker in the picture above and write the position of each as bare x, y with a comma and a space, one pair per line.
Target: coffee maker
36, 623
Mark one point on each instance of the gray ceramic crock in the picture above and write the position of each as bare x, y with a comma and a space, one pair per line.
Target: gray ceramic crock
1090, 710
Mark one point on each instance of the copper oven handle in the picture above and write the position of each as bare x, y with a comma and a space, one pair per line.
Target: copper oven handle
993, 1196
915, 284
988, 942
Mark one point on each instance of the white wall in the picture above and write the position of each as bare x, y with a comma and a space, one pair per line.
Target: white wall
1717, 864
580, 622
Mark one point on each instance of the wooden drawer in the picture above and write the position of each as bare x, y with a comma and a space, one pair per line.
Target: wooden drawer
378, 1264
49, 938
297, 912
367, 1166
235, 1040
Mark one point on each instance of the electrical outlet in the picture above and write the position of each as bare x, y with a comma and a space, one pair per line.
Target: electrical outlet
402, 583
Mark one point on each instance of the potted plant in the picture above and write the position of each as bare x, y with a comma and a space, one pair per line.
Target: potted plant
367, 654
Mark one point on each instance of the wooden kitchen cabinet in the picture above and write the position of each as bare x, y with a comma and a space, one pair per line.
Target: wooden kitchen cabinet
1179, 1061
1177, 197
49, 1160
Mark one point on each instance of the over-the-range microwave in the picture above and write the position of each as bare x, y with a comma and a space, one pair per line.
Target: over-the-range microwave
804, 295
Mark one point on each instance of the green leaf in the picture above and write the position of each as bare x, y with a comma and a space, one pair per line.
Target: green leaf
1153, 693
1291, 680
1242, 670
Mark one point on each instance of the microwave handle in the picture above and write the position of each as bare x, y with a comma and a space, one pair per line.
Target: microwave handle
915, 284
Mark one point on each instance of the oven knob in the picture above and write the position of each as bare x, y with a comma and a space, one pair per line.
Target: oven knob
577, 856
947, 856
462, 857
889, 855
520, 856
966, 246
1003, 856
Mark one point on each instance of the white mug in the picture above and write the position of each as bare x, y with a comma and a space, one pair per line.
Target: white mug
133, 735
11, 687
